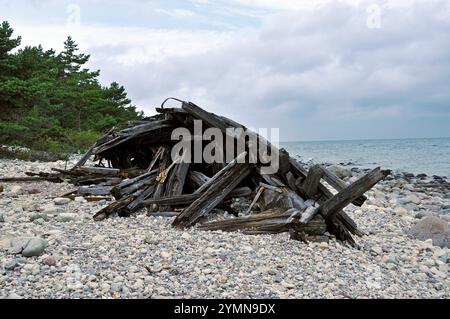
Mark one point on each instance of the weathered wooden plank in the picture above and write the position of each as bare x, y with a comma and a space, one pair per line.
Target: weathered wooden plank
309, 214
209, 118
338, 184
213, 196
113, 208
97, 170
89, 152
298, 169
223, 171
170, 110
155, 158
160, 186
136, 203
351, 192
197, 178
310, 185
96, 190
131, 133
186, 199
268, 222
255, 199
175, 182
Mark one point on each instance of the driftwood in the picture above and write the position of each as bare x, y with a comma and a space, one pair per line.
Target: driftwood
271, 222
187, 199
229, 178
135, 167
351, 192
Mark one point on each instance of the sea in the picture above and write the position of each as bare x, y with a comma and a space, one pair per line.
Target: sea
422, 155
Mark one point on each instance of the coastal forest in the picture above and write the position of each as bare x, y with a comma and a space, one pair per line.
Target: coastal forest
51, 101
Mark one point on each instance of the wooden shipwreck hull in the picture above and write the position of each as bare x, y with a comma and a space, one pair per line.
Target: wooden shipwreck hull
136, 167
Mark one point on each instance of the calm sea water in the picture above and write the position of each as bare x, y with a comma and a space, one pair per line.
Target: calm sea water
427, 155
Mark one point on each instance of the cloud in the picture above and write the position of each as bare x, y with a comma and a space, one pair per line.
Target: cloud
314, 71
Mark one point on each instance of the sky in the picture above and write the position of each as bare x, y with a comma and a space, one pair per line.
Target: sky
317, 70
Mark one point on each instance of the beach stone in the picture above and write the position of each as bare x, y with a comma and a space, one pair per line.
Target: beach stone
186, 236
2, 218
105, 287
1, 188
445, 217
34, 247
36, 216
61, 201
423, 214
80, 199
149, 239
53, 211
16, 190
49, 261
414, 199
377, 250
400, 211
33, 191
10, 265
165, 255
66, 217
340, 171
432, 228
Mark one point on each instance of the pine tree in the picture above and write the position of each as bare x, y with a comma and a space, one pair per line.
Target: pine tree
52, 101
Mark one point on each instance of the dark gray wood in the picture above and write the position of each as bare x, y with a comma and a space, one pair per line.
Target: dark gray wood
351, 192
310, 185
197, 178
175, 182
187, 199
136, 203
213, 196
223, 171
269, 222
309, 214
112, 208
338, 184
89, 152
155, 158
96, 190
160, 180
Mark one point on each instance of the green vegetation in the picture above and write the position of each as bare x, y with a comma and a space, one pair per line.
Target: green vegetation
52, 102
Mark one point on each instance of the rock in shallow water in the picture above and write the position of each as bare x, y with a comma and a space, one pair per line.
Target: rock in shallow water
432, 228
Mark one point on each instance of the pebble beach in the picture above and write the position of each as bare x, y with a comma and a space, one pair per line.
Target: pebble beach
66, 254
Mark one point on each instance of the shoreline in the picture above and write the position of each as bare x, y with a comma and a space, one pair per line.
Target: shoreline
108, 259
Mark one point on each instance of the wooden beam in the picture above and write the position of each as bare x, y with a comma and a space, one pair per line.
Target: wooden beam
224, 170
187, 199
228, 181
310, 185
338, 184
351, 192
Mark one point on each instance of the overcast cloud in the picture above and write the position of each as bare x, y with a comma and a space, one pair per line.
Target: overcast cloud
315, 69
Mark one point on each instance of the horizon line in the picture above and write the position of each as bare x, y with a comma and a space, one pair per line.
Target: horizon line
365, 139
